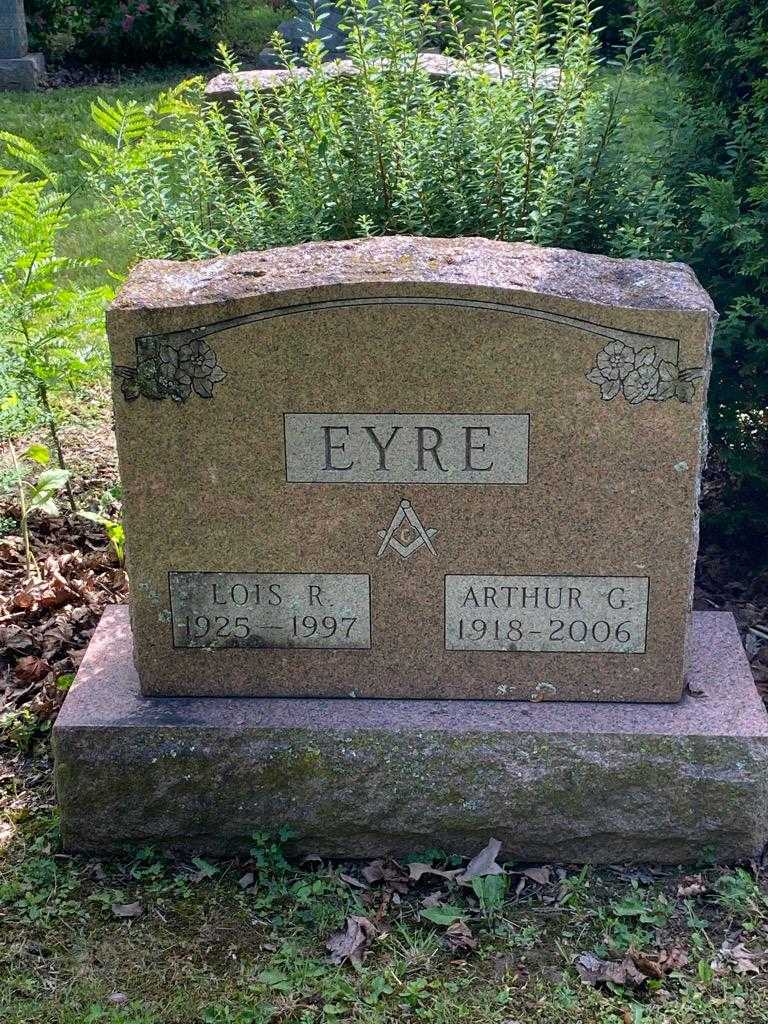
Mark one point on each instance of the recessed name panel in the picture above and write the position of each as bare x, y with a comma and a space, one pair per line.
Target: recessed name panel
216, 610
570, 614
425, 448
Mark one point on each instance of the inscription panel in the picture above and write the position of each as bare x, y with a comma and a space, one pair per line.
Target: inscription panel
570, 614
426, 448
216, 610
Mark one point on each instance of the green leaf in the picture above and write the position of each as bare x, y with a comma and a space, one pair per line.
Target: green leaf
444, 915
38, 453
47, 485
490, 890
205, 869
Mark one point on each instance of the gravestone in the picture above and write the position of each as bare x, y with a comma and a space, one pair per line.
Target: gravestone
20, 70
439, 67
425, 469
461, 475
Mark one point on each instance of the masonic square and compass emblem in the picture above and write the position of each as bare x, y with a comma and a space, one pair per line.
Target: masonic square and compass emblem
405, 533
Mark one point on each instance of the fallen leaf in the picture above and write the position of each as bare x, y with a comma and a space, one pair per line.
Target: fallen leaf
118, 999
648, 965
673, 959
738, 957
350, 880
459, 936
594, 971
247, 880
693, 885
352, 943
417, 870
31, 669
127, 909
484, 863
541, 876
389, 872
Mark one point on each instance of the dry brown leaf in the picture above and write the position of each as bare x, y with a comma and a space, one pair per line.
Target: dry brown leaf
351, 880
541, 876
389, 872
738, 957
127, 909
31, 669
594, 971
660, 965
458, 936
484, 863
673, 959
417, 871
23, 600
648, 965
352, 944
691, 885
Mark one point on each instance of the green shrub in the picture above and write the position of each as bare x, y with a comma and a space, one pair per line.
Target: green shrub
720, 53
52, 333
127, 30
384, 150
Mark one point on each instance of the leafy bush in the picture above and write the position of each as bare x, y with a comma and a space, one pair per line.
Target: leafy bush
499, 151
52, 333
129, 30
720, 53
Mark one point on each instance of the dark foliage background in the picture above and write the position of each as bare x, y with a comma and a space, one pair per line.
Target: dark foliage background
720, 52
129, 31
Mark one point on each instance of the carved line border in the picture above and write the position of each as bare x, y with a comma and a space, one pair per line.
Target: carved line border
600, 330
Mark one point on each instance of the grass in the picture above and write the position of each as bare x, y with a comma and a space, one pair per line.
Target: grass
54, 121
204, 949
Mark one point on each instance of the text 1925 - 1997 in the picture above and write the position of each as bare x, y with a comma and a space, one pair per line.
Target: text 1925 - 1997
216, 610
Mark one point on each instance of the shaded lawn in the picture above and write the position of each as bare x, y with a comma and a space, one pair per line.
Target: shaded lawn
244, 942
54, 120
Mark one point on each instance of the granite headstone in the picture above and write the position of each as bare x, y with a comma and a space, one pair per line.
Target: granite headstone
412, 468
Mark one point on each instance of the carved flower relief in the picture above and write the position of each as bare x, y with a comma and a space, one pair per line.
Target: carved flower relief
175, 371
616, 360
197, 363
641, 376
641, 384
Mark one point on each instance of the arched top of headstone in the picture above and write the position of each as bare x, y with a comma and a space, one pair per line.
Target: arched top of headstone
461, 263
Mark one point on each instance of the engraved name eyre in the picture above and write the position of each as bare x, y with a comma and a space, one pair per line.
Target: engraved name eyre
406, 448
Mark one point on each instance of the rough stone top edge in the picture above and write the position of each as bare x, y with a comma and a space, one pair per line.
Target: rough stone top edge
437, 66
465, 263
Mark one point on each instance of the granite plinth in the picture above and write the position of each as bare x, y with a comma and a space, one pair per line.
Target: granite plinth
21, 74
594, 782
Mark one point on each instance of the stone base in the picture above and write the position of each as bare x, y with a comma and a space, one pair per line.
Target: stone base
357, 778
22, 74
